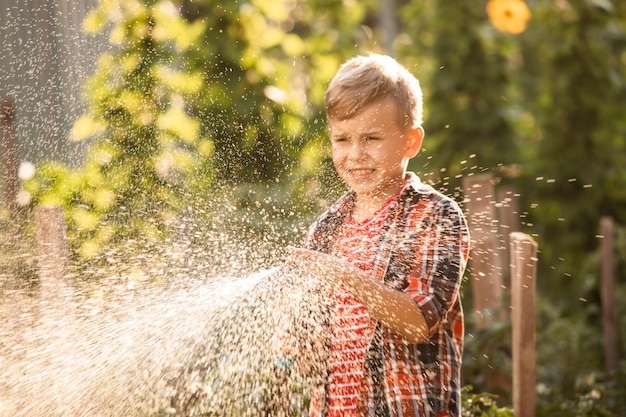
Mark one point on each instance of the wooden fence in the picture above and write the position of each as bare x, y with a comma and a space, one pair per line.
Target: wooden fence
493, 218
503, 258
607, 293
523, 279
53, 255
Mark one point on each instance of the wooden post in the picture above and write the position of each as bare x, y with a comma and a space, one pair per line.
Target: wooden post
485, 268
523, 279
8, 155
607, 292
53, 254
508, 222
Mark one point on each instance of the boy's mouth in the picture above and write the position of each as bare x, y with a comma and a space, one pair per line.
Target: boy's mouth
360, 172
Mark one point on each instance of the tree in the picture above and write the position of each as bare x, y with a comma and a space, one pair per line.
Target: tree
146, 145
197, 99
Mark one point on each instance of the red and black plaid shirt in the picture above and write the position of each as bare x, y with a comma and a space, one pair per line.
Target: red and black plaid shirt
422, 250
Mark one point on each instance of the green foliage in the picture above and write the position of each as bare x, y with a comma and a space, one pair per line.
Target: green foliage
578, 143
487, 358
598, 394
468, 86
481, 405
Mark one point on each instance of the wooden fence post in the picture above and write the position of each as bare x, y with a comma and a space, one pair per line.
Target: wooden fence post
8, 155
485, 269
607, 293
53, 254
508, 222
523, 285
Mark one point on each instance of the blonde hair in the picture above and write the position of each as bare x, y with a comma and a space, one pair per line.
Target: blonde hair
363, 80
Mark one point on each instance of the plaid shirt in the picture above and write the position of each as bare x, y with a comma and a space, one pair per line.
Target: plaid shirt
423, 251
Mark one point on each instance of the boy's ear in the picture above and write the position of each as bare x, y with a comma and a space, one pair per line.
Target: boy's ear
414, 142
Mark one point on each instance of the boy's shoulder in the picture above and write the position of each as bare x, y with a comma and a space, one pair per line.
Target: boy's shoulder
417, 191
415, 199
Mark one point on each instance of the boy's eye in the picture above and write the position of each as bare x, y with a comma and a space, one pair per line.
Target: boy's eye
340, 139
370, 138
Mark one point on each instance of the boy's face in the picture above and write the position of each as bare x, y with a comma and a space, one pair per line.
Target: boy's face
371, 150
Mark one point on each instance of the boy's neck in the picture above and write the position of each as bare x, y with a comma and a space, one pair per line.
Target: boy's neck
362, 212
367, 205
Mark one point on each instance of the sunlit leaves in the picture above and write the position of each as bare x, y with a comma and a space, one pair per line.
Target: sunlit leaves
117, 35
184, 82
130, 100
53, 183
205, 89
206, 147
145, 134
129, 62
90, 248
170, 26
103, 153
84, 219
94, 23
179, 123
85, 127
311, 157
293, 45
102, 199
293, 126
325, 66
172, 162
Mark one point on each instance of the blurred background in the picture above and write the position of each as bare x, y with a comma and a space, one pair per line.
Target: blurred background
157, 120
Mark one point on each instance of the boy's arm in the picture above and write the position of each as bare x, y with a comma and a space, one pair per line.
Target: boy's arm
395, 309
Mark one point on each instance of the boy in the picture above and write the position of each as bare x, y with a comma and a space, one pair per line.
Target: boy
393, 250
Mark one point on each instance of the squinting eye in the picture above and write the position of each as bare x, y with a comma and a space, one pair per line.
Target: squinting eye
340, 140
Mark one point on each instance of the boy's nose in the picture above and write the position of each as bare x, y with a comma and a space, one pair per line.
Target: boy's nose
356, 150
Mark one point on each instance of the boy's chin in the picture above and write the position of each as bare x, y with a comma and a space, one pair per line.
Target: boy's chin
361, 188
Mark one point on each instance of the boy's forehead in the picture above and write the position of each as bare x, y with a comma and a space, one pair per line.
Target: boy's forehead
379, 114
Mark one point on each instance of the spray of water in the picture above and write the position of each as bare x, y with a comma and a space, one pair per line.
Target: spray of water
178, 327
191, 350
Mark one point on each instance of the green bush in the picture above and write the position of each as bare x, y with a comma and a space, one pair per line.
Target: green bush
482, 405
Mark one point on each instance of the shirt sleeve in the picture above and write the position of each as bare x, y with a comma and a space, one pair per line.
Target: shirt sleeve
440, 242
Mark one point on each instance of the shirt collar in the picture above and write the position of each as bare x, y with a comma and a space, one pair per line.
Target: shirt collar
345, 203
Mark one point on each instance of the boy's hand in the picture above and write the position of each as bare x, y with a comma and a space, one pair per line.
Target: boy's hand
323, 266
